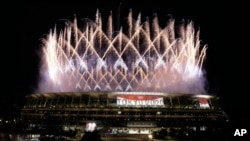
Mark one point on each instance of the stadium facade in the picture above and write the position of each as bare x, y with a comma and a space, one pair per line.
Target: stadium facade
122, 112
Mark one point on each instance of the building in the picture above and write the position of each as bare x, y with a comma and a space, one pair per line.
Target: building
122, 112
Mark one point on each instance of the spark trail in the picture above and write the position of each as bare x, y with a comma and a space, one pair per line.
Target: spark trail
144, 58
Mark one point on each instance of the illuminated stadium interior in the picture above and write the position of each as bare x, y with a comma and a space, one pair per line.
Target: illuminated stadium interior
122, 112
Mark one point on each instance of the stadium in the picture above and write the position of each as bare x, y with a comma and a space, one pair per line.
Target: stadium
146, 81
122, 113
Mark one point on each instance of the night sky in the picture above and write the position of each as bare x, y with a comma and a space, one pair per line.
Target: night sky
224, 28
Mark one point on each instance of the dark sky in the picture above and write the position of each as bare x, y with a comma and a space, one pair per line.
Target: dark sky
224, 28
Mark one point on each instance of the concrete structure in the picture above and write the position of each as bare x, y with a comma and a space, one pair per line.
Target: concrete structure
122, 112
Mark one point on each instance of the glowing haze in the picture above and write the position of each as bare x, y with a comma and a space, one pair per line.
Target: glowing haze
144, 57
